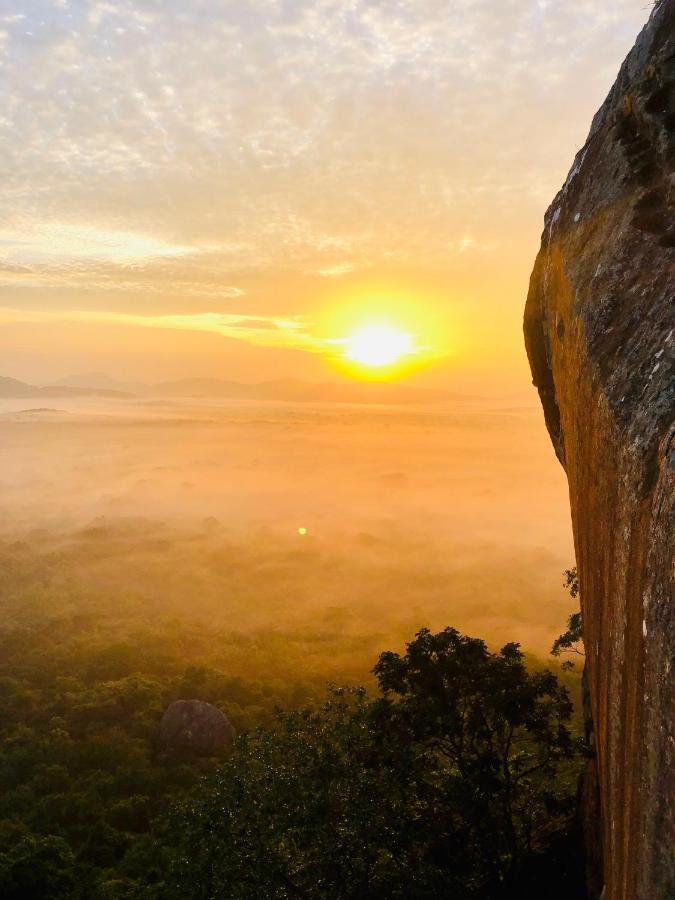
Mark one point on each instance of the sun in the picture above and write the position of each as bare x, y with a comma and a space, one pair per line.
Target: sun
376, 346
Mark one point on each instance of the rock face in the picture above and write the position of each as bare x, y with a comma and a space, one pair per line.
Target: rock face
600, 334
192, 728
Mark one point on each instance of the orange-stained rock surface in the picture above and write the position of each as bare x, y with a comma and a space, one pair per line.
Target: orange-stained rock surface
600, 335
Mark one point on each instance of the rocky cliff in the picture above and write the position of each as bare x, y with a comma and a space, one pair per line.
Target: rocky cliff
600, 335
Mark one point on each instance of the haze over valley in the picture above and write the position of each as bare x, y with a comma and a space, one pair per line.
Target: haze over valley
193, 508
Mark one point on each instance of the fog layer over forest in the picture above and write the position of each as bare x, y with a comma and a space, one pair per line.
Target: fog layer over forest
168, 512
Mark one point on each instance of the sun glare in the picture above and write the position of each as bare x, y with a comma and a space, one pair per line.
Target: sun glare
378, 345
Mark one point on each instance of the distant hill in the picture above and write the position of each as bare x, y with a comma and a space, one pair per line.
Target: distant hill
299, 391
101, 381
99, 384
12, 388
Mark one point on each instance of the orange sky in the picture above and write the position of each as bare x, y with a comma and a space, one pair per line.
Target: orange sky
229, 188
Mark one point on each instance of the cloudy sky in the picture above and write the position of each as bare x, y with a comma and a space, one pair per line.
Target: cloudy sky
228, 187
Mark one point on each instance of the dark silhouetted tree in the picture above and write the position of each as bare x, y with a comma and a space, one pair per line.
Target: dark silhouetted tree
441, 786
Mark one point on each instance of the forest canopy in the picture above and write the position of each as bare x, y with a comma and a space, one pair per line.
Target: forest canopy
456, 779
388, 784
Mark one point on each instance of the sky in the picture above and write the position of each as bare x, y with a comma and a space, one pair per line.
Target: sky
235, 189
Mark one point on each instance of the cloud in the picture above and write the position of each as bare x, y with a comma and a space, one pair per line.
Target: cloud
165, 156
71, 242
336, 270
224, 119
270, 332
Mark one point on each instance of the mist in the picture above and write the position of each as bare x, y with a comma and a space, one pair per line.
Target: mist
190, 511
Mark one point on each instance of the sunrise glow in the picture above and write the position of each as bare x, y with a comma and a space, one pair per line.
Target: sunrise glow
378, 345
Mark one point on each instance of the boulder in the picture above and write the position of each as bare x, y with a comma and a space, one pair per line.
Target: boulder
191, 729
600, 336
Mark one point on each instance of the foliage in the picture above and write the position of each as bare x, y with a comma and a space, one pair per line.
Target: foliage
81, 792
37, 867
571, 640
85, 805
443, 785
572, 581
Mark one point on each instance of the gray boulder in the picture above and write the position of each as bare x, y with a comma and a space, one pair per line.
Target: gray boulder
191, 729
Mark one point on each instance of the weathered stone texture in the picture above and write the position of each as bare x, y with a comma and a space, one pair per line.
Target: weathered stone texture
600, 335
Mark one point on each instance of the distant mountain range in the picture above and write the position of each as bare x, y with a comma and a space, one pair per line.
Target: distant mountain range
99, 384
298, 391
13, 388
101, 381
